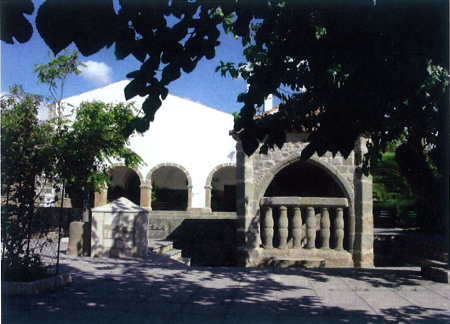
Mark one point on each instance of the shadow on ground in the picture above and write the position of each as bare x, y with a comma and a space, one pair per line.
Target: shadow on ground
160, 290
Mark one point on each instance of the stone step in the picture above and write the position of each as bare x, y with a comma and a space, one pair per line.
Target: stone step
165, 247
418, 260
388, 260
436, 274
305, 262
412, 250
423, 241
174, 254
160, 245
424, 252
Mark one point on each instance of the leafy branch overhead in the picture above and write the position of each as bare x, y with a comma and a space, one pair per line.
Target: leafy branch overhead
341, 69
86, 137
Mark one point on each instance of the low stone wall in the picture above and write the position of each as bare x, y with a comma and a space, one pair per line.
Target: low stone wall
35, 287
122, 229
119, 229
207, 238
162, 224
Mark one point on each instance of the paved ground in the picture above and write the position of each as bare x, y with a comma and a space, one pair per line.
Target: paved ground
158, 290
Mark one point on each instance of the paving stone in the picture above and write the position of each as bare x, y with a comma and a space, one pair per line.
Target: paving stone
138, 291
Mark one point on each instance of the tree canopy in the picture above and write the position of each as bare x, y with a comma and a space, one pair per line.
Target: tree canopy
341, 68
86, 137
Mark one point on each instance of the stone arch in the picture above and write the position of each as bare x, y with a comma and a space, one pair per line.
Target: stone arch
148, 178
120, 164
342, 182
128, 185
149, 184
345, 186
228, 193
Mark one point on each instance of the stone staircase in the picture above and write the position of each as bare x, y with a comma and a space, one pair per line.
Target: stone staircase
166, 247
409, 248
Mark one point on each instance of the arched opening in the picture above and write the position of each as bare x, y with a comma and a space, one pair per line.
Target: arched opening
170, 189
223, 190
303, 179
125, 182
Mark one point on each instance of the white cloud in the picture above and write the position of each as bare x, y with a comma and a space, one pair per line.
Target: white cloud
97, 72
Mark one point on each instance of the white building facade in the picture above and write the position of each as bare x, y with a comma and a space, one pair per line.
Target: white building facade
286, 212
189, 156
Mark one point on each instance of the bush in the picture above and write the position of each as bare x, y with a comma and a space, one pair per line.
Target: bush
23, 269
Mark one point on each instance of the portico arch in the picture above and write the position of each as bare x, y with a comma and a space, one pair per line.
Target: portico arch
314, 160
125, 182
345, 186
220, 188
170, 185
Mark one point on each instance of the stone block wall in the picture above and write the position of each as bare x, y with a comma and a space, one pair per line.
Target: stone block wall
122, 229
265, 167
255, 173
119, 229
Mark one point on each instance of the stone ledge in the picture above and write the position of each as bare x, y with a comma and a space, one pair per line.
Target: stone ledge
298, 262
435, 274
305, 201
35, 287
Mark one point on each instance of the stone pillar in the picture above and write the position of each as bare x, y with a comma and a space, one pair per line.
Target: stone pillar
101, 198
351, 227
189, 202
339, 229
283, 228
363, 247
248, 233
268, 228
325, 229
79, 239
297, 228
208, 197
311, 228
146, 195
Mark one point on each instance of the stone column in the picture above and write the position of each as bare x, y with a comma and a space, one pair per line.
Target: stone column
268, 228
311, 228
248, 233
351, 227
363, 247
189, 202
101, 198
283, 228
146, 194
208, 198
297, 228
325, 229
339, 229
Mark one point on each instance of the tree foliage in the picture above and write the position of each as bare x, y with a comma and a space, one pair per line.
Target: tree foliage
93, 139
54, 73
69, 149
85, 138
13, 22
24, 145
341, 69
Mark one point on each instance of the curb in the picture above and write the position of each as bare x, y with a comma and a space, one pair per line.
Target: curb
35, 287
436, 274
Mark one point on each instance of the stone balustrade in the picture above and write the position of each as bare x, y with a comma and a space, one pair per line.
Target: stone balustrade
289, 229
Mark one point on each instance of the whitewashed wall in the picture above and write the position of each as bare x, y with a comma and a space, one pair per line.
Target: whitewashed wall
184, 132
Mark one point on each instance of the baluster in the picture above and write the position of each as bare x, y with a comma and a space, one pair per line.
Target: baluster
339, 229
283, 227
311, 228
268, 228
297, 227
325, 229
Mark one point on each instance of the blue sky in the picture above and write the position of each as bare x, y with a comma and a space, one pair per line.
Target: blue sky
203, 85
